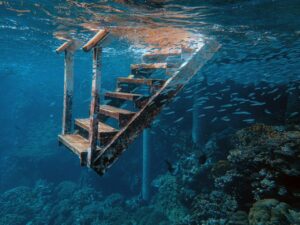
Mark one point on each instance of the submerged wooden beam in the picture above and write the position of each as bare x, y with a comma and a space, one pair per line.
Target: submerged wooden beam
95, 103
68, 89
101, 34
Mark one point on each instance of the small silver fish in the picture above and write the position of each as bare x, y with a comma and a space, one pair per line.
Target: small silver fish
180, 119
242, 113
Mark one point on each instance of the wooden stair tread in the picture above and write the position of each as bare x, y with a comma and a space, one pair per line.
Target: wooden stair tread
75, 142
103, 127
149, 66
160, 55
141, 81
123, 95
108, 109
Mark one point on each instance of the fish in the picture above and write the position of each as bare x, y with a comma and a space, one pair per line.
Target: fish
180, 119
242, 113
214, 119
267, 111
227, 105
170, 113
225, 118
277, 97
293, 114
202, 158
256, 103
249, 120
209, 107
273, 91
170, 167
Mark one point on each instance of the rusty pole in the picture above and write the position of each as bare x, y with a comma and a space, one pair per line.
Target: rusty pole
68, 92
95, 104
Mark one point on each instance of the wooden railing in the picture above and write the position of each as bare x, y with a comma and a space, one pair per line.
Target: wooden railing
98, 38
68, 48
95, 44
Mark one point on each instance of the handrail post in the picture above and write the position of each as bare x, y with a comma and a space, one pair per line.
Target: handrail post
94, 139
95, 104
67, 47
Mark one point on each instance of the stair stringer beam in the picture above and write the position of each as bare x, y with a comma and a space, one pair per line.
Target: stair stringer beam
142, 119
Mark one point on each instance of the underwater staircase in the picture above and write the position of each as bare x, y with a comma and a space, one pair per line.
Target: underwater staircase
99, 144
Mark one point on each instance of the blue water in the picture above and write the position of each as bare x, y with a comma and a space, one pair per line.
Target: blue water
253, 79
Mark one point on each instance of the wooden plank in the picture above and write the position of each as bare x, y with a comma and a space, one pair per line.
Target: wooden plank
65, 46
122, 115
123, 95
160, 55
68, 92
139, 100
95, 103
102, 128
100, 36
76, 144
105, 132
114, 111
144, 117
141, 81
149, 66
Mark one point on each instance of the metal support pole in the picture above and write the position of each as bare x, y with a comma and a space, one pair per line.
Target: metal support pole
197, 122
95, 104
146, 165
68, 92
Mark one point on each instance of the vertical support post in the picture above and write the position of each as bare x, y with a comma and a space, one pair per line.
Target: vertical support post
68, 92
95, 104
146, 165
197, 126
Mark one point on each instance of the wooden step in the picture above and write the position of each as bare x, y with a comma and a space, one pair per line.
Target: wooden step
123, 95
105, 131
139, 100
122, 115
141, 81
145, 69
76, 144
150, 66
160, 55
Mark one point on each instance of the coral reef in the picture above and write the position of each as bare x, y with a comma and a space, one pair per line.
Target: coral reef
265, 163
256, 184
216, 205
272, 212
